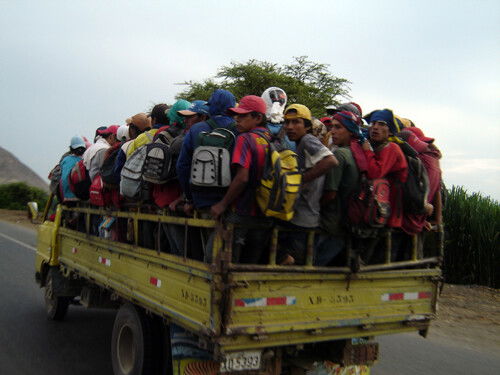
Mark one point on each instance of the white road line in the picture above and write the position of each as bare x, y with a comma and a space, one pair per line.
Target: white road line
19, 242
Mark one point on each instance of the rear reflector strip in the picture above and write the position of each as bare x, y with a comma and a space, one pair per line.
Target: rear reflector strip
265, 301
105, 261
409, 296
154, 281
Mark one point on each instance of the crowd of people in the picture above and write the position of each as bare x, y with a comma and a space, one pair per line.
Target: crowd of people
338, 156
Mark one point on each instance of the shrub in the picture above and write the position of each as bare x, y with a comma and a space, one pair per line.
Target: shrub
472, 225
16, 195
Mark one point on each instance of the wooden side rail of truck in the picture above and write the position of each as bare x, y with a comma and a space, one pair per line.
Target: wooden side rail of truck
251, 319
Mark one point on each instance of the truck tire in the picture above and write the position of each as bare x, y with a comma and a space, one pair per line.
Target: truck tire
56, 306
132, 342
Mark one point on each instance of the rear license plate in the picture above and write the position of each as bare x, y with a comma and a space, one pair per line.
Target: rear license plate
241, 361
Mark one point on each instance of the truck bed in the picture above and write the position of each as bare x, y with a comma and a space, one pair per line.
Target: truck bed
240, 310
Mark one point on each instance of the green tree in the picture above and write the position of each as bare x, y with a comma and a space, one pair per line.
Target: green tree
16, 195
304, 81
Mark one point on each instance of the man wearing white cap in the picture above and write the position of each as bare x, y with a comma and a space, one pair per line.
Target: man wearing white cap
76, 150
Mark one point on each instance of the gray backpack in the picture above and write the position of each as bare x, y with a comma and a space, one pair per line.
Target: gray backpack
55, 179
131, 182
211, 164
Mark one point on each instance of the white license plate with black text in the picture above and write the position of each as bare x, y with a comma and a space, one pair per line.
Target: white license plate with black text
241, 361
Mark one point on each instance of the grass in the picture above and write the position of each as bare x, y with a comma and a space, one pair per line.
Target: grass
472, 225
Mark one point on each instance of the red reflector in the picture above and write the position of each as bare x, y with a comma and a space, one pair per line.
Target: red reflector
396, 296
422, 295
276, 301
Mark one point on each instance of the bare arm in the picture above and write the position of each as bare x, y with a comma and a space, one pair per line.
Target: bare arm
237, 186
321, 168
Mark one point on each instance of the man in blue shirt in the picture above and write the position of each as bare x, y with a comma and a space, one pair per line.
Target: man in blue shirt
219, 103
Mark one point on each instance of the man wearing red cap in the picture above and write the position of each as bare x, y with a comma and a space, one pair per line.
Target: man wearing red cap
94, 156
248, 160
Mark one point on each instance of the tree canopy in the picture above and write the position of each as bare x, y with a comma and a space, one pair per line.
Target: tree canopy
16, 195
304, 81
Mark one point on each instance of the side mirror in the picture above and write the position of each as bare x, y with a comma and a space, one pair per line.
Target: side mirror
33, 211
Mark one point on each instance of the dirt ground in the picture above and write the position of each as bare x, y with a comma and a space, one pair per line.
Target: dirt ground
17, 217
468, 315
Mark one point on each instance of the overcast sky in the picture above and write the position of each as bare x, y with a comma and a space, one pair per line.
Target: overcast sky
67, 67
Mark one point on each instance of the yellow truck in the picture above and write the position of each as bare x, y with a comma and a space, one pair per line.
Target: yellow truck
249, 319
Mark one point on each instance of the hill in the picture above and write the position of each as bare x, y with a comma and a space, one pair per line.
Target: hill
12, 170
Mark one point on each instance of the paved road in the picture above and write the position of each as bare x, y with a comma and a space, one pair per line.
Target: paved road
30, 344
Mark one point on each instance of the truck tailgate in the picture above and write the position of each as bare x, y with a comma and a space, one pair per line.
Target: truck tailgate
285, 308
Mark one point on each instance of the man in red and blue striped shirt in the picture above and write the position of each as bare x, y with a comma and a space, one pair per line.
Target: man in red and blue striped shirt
248, 161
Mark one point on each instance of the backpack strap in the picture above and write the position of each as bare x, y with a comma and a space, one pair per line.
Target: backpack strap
270, 150
407, 149
261, 134
212, 124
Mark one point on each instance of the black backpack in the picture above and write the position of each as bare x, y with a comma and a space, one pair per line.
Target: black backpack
159, 165
107, 171
416, 187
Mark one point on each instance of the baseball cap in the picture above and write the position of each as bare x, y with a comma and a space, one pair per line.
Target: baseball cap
141, 121
348, 107
77, 142
300, 111
112, 129
326, 120
122, 133
249, 103
197, 107
99, 129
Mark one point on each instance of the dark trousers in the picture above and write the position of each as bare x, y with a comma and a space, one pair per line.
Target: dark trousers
251, 237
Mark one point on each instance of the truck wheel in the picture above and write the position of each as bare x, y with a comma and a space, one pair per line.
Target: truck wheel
56, 306
131, 342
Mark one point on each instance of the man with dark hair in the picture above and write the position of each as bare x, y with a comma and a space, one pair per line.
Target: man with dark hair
76, 150
219, 102
158, 115
340, 183
197, 112
170, 193
93, 157
137, 124
96, 135
314, 160
159, 122
248, 160
385, 159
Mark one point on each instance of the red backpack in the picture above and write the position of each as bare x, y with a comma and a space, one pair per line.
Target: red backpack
99, 195
370, 204
79, 181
